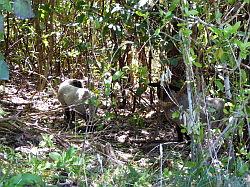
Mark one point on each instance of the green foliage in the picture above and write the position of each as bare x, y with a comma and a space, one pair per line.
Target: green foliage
24, 179
1, 26
137, 178
117, 75
4, 69
197, 174
176, 115
2, 112
23, 9
219, 84
109, 116
231, 30
47, 141
48, 167
75, 166
5, 5
136, 120
244, 48
133, 41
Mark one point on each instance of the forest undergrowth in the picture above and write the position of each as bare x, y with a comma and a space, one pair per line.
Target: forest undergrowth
120, 147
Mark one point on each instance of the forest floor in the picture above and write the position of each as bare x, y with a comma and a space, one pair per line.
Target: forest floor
34, 139
125, 136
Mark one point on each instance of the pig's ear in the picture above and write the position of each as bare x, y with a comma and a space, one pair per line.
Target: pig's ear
174, 88
154, 84
76, 83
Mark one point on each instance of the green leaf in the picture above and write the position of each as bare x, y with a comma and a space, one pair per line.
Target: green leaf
141, 14
183, 130
1, 36
242, 167
82, 19
2, 112
243, 75
218, 15
1, 24
186, 32
176, 115
219, 53
242, 45
25, 179
173, 61
71, 152
5, 4
157, 31
4, 69
168, 15
191, 164
232, 29
118, 75
231, 2
244, 48
97, 24
191, 12
216, 31
140, 90
174, 4
219, 84
23, 9
197, 64
55, 156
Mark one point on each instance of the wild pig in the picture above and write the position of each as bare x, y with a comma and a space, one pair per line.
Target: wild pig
75, 98
172, 101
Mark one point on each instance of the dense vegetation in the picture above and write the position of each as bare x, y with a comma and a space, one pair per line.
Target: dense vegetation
199, 48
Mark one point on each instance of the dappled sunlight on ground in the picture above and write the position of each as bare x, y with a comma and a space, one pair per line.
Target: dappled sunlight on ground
131, 135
